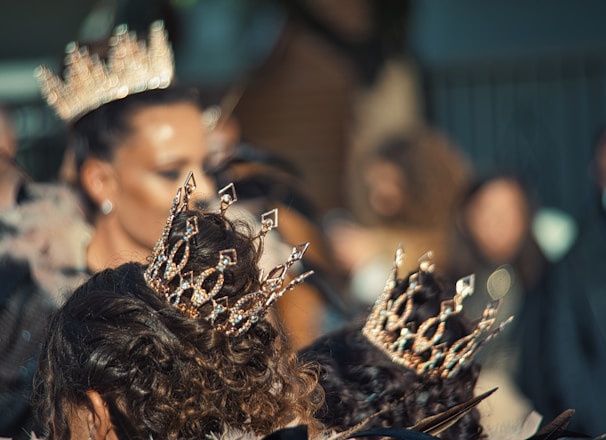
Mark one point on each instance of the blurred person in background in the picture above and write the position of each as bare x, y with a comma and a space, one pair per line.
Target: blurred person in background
42, 234
131, 145
133, 354
563, 349
493, 232
391, 361
493, 239
410, 183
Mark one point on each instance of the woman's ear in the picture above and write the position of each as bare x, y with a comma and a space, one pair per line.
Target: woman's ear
99, 422
97, 179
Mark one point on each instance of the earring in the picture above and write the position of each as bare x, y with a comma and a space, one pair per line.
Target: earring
106, 206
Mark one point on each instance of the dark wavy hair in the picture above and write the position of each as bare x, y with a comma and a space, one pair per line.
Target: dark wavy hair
162, 373
360, 380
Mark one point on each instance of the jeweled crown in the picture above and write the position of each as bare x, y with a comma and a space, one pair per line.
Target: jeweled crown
132, 66
192, 292
420, 346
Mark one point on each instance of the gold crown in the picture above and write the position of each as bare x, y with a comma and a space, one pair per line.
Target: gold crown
189, 295
419, 345
132, 66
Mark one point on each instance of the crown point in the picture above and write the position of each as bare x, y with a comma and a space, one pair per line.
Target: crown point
465, 286
71, 47
157, 25
269, 220
190, 183
298, 251
121, 29
399, 254
426, 262
227, 196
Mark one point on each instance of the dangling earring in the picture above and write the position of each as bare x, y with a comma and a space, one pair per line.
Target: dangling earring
106, 206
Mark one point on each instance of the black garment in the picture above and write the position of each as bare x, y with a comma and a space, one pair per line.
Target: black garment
563, 336
300, 433
24, 309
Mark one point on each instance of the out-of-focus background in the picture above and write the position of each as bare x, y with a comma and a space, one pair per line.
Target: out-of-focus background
515, 84
515, 88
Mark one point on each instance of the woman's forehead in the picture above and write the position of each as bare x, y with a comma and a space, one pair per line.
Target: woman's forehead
169, 130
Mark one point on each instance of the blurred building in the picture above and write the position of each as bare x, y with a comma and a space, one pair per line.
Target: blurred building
514, 83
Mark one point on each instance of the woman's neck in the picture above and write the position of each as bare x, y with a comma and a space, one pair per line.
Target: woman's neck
110, 246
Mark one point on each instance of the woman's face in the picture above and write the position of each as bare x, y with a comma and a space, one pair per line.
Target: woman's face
166, 143
385, 184
498, 219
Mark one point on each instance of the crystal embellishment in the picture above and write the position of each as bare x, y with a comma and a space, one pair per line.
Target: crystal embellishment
419, 345
190, 295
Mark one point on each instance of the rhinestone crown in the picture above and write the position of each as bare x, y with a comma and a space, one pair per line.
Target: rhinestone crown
419, 346
189, 295
132, 66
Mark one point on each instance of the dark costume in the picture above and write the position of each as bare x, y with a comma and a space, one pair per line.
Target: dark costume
564, 335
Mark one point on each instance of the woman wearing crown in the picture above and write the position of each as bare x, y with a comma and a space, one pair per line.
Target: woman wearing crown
412, 358
133, 138
179, 348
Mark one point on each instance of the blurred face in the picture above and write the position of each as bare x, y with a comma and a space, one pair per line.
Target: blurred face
385, 183
222, 141
166, 143
498, 220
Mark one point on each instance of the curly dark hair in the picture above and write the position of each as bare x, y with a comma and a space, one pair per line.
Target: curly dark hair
162, 373
360, 380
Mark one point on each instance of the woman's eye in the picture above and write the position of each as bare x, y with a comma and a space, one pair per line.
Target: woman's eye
169, 174
210, 166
